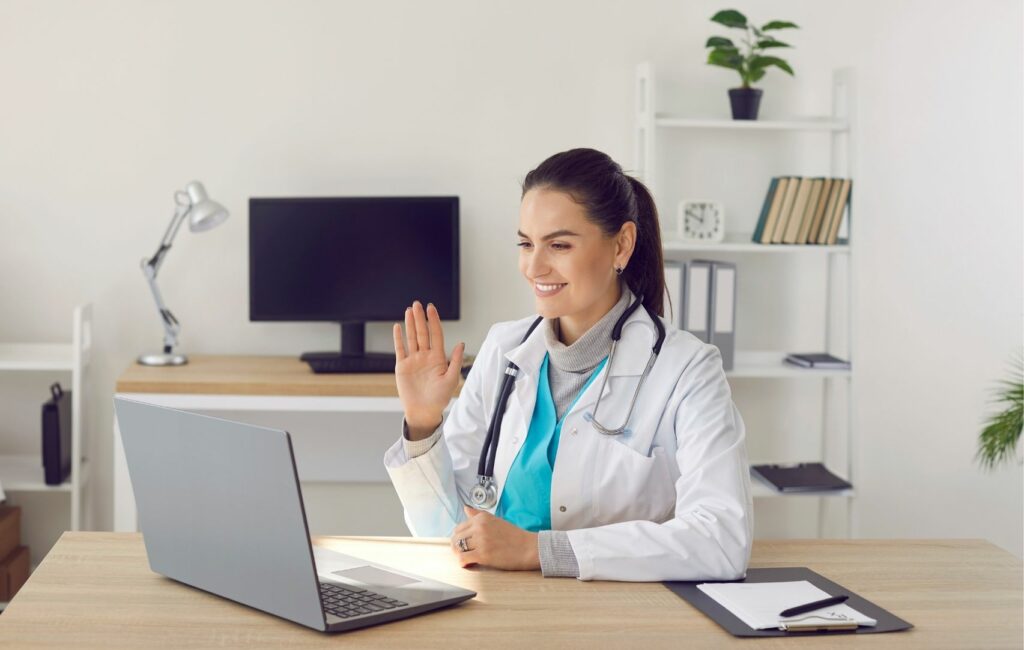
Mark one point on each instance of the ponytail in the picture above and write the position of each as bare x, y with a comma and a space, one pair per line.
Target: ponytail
645, 273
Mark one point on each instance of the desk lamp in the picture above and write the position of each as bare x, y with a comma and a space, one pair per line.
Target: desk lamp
203, 214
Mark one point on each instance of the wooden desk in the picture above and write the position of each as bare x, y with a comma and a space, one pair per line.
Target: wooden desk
95, 590
263, 388
238, 375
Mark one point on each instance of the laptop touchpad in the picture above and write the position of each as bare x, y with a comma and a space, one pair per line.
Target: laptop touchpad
373, 576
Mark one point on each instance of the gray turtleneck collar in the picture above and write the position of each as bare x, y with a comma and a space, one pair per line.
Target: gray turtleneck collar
588, 350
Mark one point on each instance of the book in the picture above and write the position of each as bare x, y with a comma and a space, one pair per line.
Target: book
818, 360
787, 207
800, 477
765, 209
830, 208
773, 212
812, 207
819, 211
837, 217
796, 215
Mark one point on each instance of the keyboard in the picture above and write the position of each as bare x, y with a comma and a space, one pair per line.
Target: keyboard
348, 601
329, 363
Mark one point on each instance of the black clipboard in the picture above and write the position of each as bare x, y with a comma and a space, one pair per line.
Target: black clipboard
688, 591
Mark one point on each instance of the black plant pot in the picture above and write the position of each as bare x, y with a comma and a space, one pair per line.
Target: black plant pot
745, 102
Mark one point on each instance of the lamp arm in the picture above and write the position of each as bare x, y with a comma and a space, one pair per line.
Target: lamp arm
151, 266
172, 231
171, 325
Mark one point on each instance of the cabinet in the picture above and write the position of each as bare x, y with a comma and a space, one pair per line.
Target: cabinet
661, 137
23, 473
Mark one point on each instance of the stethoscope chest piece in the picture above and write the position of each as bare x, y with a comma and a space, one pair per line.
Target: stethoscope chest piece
484, 494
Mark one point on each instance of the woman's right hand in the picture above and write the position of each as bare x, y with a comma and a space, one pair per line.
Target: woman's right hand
425, 379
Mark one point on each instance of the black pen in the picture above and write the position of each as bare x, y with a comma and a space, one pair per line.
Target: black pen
800, 609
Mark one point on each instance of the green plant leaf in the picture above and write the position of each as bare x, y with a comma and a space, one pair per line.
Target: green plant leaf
771, 42
755, 75
726, 58
730, 18
719, 41
999, 438
779, 24
761, 62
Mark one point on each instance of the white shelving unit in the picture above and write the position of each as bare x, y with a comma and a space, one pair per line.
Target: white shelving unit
24, 472
651, 126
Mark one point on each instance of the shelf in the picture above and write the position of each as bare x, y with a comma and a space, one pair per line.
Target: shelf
769, 363
761, 489
24, 473
36, 356
741, 243
799, 124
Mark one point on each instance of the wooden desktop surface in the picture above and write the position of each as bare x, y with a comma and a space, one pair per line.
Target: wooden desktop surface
252, 375
95, 590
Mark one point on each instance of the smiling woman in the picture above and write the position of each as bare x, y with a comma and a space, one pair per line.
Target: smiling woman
664, 496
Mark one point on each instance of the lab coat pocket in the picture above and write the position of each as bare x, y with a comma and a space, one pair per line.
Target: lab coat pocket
630, 485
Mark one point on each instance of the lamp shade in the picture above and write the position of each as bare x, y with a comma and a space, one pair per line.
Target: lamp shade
204, 213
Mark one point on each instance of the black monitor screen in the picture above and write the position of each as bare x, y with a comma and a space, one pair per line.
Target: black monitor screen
352, 258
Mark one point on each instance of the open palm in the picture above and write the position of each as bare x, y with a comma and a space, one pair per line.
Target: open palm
425, 378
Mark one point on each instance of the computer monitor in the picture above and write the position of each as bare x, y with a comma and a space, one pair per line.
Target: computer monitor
351, 260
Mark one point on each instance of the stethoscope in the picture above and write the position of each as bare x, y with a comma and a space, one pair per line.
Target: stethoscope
485, 493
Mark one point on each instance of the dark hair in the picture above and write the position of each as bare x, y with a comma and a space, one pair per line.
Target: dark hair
610, 199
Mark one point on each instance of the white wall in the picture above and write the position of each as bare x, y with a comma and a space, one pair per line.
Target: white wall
107, 107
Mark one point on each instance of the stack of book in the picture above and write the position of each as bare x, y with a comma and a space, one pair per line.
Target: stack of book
800, 477
817, 360
803, 211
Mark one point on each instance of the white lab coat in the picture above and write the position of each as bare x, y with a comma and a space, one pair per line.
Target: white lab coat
668, 500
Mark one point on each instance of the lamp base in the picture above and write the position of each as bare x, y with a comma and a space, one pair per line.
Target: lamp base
161, 359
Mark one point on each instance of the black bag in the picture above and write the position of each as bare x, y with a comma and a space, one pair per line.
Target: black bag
57, 436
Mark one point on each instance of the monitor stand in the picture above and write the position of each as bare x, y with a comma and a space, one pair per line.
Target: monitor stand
353, 357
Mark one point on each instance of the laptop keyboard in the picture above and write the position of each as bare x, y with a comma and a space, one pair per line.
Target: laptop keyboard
348, 602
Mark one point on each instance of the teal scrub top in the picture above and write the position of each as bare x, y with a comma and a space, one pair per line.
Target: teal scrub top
526, 499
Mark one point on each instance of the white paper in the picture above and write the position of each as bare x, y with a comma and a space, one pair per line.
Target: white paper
758, 603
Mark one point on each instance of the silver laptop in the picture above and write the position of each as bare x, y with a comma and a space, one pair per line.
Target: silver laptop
220, 509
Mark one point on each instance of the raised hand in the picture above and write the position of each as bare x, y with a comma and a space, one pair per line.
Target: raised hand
425, 378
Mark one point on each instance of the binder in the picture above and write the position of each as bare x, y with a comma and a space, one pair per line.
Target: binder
57, 436
688, 591
697, 299
722, 311
674, 274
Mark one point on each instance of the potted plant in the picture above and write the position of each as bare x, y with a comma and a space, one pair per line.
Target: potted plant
998, 440
751, 63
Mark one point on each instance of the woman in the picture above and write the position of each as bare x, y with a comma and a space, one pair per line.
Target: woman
662, 496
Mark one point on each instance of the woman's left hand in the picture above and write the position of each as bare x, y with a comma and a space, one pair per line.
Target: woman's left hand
494, 542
